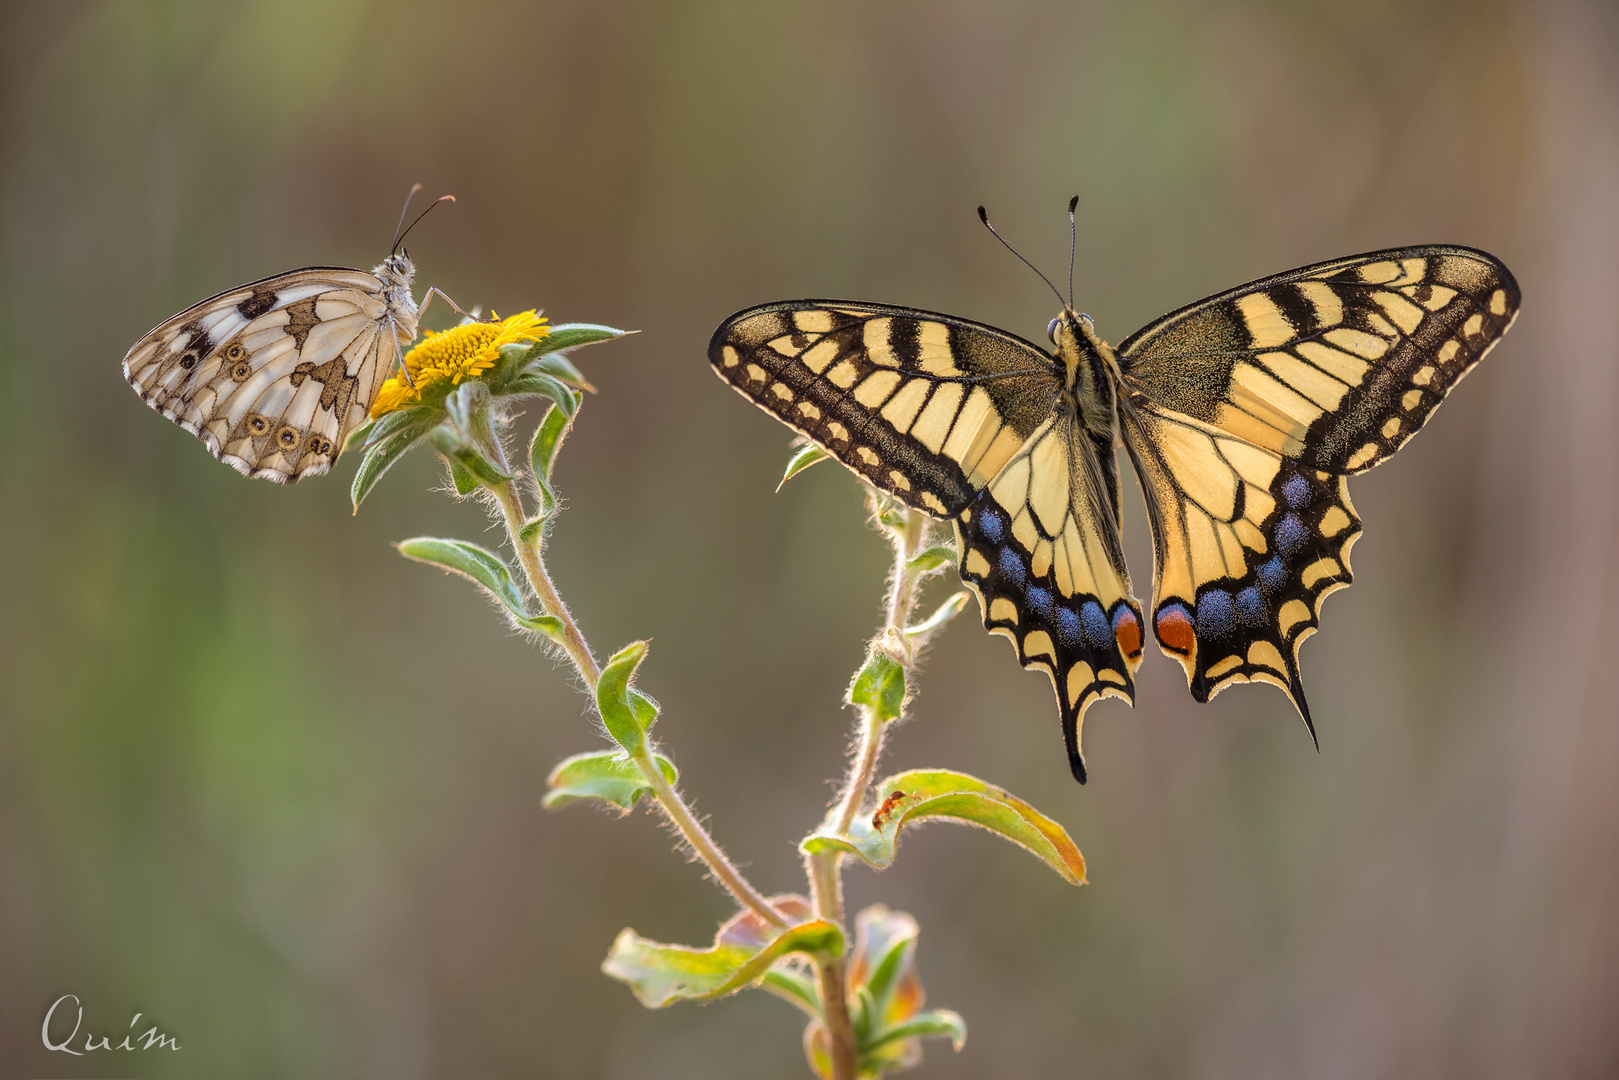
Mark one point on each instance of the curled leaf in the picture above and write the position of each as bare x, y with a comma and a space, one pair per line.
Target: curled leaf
601, 774
951, 796
741, 956
627, 713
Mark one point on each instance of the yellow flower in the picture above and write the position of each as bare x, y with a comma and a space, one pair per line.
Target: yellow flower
452, 355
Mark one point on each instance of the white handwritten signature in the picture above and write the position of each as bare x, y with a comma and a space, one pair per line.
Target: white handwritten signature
152, 1037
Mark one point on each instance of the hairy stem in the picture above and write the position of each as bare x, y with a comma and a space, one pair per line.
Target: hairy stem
825, 868
529, 554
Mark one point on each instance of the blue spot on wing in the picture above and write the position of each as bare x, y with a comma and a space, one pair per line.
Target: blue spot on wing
1069, 631
1251, 607
1297, 491
1272, 575
1216, 615
1098, 631
990, 526
1038, 600
1291, 535
1011, 568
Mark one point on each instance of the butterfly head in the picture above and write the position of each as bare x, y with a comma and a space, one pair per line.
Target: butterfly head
396, 270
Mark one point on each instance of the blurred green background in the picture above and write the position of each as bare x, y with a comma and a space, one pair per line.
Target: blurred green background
277, 789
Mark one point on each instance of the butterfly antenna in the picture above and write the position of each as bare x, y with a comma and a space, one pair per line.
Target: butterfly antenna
984, 217
1073, 242
400, 239
403, 210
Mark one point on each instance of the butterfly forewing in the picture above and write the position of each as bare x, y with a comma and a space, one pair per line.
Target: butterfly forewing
273, 376
1335, 364
926, 407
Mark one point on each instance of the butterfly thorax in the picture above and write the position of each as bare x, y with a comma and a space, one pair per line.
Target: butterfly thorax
1090, 373
396, 273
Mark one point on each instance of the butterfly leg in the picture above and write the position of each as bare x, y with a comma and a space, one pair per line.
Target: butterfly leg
433, 291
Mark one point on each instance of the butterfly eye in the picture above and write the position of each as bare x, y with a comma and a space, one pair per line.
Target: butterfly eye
188, 361
258, 425
234, 352
241, 371
287, 437
1051, 330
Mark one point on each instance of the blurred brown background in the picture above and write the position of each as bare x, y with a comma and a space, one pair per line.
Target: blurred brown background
276, 788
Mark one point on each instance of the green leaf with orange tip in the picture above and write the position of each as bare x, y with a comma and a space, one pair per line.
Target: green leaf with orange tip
741, 956
939, 794
885, 999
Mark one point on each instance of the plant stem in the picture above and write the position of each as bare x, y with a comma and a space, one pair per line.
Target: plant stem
674, 807
528, 554
824, 869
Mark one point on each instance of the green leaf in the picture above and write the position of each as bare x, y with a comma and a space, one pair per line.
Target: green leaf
539, 384
794, 986
460, 452
549, 625
807, 455
416, 417
542, 453
468, 408
602, 774
741, 956
568, 336
627, 713
924, 794
880, 686
944, 1022
559, 366
934, 558
378, 460
481, 565
465, 483
531, 529
935, 622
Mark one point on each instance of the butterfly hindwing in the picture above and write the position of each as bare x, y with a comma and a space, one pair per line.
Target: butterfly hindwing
1040, 547
1247, 544
926, 407
272, 376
